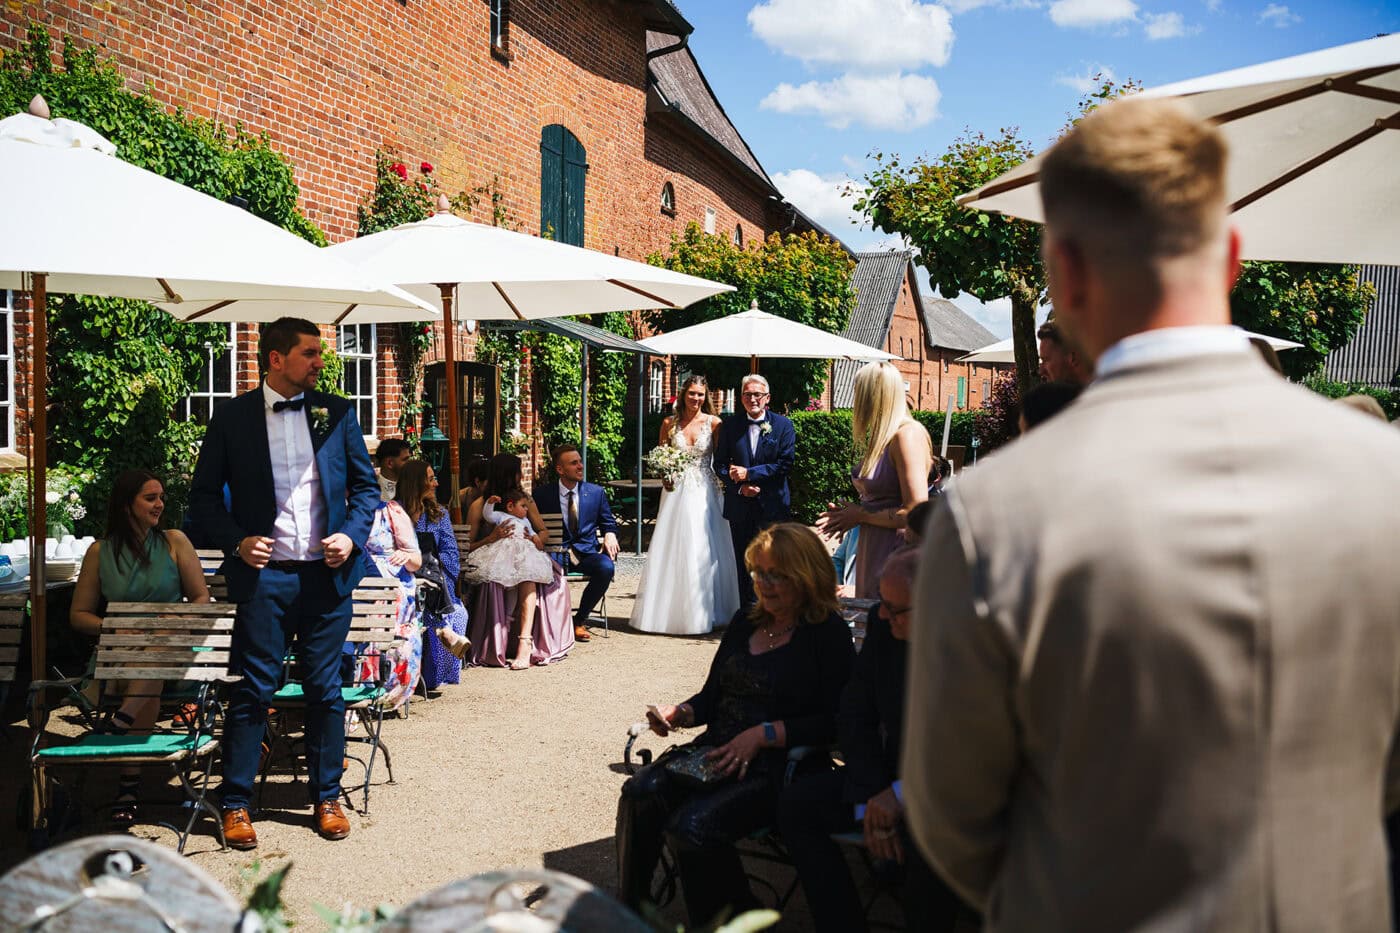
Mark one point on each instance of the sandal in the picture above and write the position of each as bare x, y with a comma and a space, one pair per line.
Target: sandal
124, 806
522, 653
187, 715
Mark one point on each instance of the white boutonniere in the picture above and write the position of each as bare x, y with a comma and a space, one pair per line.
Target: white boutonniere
320, 418
766, 428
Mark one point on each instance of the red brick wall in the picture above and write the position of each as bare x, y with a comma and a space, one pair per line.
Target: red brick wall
330, 82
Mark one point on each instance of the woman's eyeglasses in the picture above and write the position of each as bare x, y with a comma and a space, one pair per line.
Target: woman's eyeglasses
766, 578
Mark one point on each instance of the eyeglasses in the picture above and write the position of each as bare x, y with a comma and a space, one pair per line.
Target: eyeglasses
894, 612
755, 395
767, 578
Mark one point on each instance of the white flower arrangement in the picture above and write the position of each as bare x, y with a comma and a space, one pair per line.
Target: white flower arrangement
668, 462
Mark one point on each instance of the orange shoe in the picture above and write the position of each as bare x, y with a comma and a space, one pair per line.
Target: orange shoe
238, 830
331, 822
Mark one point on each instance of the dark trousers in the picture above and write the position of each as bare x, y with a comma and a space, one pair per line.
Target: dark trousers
701, 825
300, 606
743, 531
810, 810
599, 569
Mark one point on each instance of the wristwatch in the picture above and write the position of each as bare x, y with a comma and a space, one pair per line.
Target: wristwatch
770, 733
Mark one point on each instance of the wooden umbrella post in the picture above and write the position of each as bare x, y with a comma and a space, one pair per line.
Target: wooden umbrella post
38, 488
454, 424
753, 363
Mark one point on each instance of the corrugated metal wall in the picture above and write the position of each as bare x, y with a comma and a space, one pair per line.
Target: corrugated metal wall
1373, 356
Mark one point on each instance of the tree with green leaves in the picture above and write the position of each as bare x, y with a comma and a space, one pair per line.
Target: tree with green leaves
1319, 306
802, 277
989, 256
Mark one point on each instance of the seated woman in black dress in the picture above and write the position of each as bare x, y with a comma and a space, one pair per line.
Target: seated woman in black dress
775, 683
868, 734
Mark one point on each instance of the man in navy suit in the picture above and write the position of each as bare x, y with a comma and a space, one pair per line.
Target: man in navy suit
584, 507
302, 495
753, 456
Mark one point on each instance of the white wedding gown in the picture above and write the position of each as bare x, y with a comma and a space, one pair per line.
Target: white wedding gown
689, 585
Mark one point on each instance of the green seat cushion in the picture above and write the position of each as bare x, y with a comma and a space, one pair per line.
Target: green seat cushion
361, 693
158, 745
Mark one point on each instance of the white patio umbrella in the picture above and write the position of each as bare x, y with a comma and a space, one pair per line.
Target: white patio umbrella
1003, 352
754, 333
490, 273
83, 221
1314, 172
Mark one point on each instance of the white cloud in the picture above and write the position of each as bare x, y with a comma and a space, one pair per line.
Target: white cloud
1091, 13
963, 6
993, 315
1278, 15
821, 198
1167, 26
1092, 78
884, 102
861, 34
1213, 5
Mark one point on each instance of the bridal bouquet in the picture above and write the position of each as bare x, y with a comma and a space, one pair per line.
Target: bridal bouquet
668, 462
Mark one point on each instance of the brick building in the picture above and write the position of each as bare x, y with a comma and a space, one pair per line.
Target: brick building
592, 115
927, 334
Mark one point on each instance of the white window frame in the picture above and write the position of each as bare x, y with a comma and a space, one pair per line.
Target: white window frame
7, 359
656, 388
497, 31
711, 215
367, 426
204, 386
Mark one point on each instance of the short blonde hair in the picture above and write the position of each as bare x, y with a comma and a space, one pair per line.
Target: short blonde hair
877, 413
804, 559
1140, 180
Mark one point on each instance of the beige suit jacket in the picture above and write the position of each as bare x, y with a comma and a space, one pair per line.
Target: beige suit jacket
1155, 674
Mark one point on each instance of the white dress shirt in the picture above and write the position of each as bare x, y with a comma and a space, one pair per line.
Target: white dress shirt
1170, 343
754, 429
296, 482
564, 492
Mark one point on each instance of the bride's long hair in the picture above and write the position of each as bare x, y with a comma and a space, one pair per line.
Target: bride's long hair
706, 407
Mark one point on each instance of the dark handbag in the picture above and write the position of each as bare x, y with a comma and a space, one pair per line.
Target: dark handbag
437, 599
692, 767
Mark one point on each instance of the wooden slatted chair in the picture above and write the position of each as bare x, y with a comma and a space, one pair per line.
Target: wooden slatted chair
372, 624
554, 525
152, 642
210, 561
11, 629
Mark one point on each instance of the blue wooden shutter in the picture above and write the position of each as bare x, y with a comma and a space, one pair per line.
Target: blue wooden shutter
575, 181
552, 181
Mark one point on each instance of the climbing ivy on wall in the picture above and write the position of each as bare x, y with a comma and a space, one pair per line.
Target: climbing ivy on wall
121, 368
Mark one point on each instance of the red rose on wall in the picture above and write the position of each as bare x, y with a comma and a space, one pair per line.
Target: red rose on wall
399, 169
426, 168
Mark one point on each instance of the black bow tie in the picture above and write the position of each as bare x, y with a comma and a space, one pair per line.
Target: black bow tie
760, 421
294, 404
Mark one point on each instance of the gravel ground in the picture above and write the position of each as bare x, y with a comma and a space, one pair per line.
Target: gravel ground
507, 769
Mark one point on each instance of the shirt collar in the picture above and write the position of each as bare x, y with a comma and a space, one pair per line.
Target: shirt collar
565, 490
271, 395
1170, 343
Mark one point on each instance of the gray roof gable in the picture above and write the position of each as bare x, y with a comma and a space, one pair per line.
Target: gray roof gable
877, 279
951, 328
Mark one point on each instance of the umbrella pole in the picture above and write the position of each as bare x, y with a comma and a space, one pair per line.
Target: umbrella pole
583, 415
641, 438
454, 426
38, 503
753, 363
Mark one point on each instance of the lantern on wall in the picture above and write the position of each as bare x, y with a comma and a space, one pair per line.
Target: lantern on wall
435, 445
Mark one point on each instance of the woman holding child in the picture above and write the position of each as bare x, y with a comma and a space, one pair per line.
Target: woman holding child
417, 493
519, 598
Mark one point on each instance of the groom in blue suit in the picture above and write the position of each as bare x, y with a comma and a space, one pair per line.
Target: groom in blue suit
302, 495
584, 508
753, 456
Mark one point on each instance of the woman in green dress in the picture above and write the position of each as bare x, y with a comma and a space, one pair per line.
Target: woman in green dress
135, 561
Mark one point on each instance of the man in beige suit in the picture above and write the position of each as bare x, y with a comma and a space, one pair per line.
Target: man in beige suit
1154, 681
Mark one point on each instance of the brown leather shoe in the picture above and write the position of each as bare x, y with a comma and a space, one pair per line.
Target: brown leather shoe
238, 830
330, 820
581, 634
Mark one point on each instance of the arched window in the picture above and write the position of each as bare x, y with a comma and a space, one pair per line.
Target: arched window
738, 234
668, 199
656, 388
563, 176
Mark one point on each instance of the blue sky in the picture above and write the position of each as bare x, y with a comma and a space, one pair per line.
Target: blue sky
815, 85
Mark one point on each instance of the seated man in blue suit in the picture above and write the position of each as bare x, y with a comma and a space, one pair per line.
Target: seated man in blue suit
585, 510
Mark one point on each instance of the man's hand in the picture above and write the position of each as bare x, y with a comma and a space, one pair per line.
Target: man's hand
738, 474
883, 815
255, 551
338, 548
748, 489
610, 545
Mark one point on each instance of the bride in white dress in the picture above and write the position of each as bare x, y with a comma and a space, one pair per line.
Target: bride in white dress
689, 584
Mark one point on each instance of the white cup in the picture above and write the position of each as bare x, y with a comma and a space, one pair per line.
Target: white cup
50, 545
21, 567
67, 539
64, 551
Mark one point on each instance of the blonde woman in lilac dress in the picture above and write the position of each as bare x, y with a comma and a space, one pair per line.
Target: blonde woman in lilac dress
891, 475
